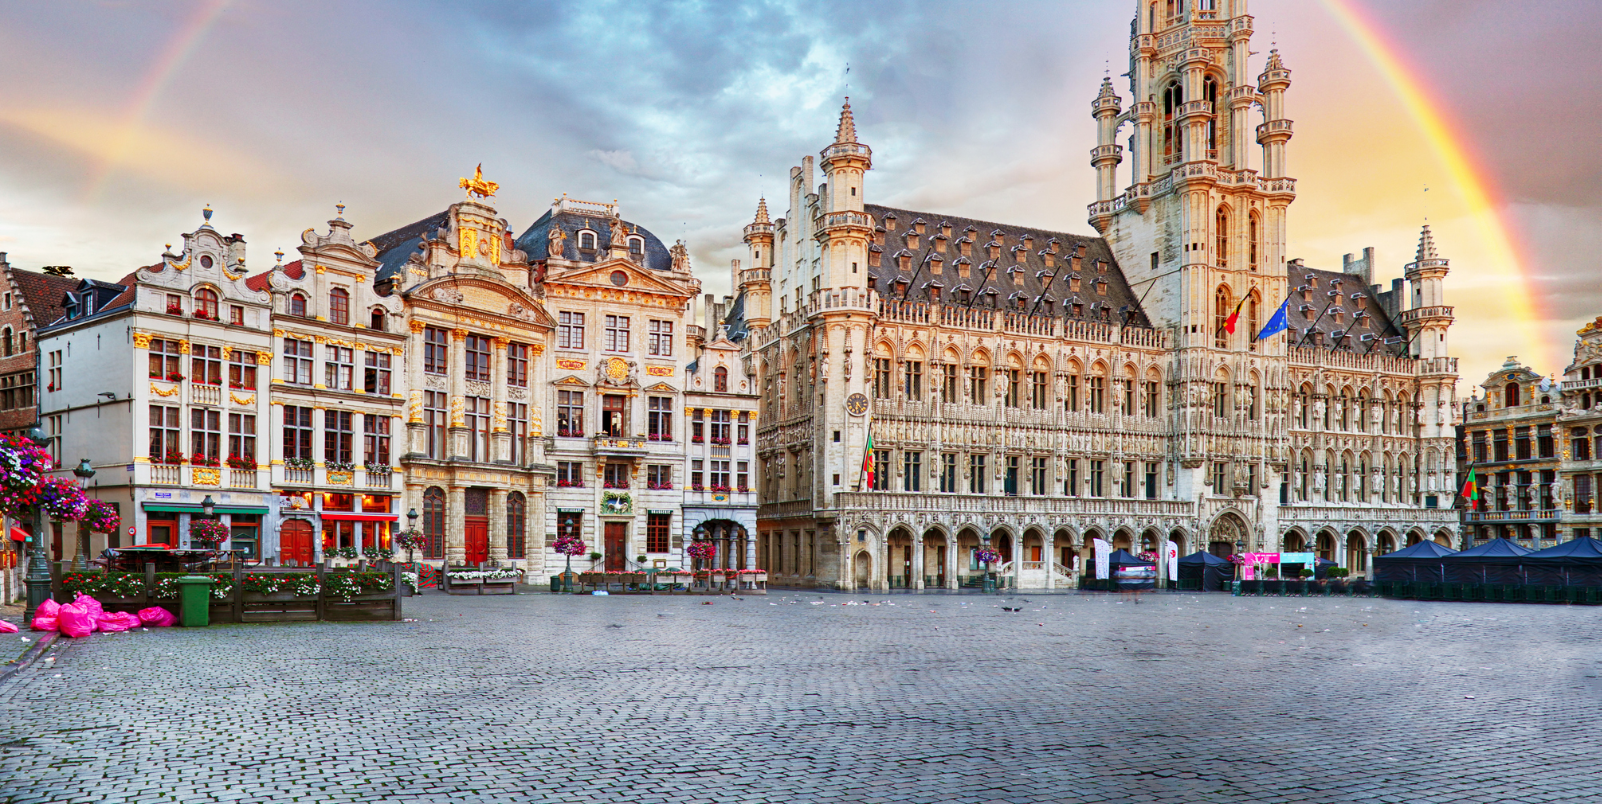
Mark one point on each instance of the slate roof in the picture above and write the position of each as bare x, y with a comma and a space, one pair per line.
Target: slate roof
735, 318
1353, 295
396, 246
44, 294
533, 241
991, 280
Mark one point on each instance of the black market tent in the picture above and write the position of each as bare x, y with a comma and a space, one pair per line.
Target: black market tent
1214, 572
1496, 561
1421, 561
1572, 563
1320, 567
1129, 572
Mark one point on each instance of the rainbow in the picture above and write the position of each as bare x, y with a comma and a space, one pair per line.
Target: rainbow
144, 98
1472, 182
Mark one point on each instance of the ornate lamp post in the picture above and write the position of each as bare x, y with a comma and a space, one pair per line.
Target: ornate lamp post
80, 562
38, 577
1241, 566
987, 585
412, 530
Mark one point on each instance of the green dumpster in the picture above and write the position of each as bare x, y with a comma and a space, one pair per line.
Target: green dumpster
194, 600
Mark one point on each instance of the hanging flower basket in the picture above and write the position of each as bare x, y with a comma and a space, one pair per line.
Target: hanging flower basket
986, 555
102, 517
22, 466
569, 546
62, 499
208, 531
700, 549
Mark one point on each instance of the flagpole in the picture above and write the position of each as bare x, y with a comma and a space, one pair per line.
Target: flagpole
1280, 310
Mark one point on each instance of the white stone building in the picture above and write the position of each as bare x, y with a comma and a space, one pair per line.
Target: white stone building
1040, 389
162, 379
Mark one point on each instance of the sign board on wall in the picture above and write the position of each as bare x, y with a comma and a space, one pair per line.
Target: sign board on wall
1100, 556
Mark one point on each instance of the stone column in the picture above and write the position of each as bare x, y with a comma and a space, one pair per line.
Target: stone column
456, 382
918, 570
751, 548
456, 546
500, 438
497, 512
1048, 559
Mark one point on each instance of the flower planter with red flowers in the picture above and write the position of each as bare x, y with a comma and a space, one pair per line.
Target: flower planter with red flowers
173, 376
200, 459
237, 462
696, 439
570, 484
659, 486
173, 309
608, 484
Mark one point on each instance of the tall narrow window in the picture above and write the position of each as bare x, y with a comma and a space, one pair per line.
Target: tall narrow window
616, 334
721, 380
518, 365
660, 418
949, 472
297, 305
1222, 238
298, 436
1253, 322
435, 350
518, 428
206, 304
434, 523
1172, 135
977, 385
337, 437
205, 433
949, 383
376, 373
913, 381
205, 365
434, 422
1222, 311
338, 368
1011, 390
339, 306
570, 330
1038, 390
242, 370
516, 514
571, 413
376, 441
1253, 241
882, 378
164, 434
977, 474
1211, 133
1094, 394
476, 358
660, 338
242, 439
476, 411
911, 471
164, 360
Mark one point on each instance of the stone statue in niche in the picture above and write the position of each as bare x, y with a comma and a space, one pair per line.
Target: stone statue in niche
620, 233
555, 240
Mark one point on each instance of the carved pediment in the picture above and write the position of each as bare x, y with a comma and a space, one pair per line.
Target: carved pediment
635, 279
572, 380
661, 388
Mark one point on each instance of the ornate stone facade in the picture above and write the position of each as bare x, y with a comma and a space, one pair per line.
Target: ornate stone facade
1038, 389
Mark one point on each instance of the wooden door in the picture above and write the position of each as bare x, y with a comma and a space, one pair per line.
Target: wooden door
476, 539
295, 543
614, 546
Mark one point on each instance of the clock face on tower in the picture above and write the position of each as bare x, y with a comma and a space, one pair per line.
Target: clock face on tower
857, 404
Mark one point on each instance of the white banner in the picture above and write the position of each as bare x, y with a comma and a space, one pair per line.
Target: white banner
1100, 556
1172, 559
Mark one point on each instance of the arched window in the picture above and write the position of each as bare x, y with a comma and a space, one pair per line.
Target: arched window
434, 523
1344, 421
1172, 132
376, 319
297, 305
515, 525
1253, 241
7, 344
637, 248
1512, 395
1303, 407
1222, 235
339, 306
587, 239
1222, 311
206, 304
1211, 134
721, 380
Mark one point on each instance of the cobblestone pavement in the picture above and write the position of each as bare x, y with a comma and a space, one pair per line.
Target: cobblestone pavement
808, 697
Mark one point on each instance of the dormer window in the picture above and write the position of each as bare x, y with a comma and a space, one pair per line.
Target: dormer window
946, 229
1077, 309
962, 295
1047, 306
941, 244
963, 266
1308, 292
1026, 241
964, 244
376, 320
879, 235
637, 248
874, 256
891, 221
339, 306
993, 249
902, 287
919, 226
935, 293
1102, 286
1336, 315
904, 260
236, 315
913, 239
1052, 245
1074, 283
587, 240
297, 304
1047, 259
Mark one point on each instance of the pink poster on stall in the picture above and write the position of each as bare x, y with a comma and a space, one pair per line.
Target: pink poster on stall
1250, 560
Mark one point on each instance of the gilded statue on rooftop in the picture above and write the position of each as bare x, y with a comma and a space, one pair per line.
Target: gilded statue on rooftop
477, 187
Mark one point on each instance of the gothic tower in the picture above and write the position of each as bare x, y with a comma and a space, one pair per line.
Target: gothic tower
757, 282
1428, 318
1200, 233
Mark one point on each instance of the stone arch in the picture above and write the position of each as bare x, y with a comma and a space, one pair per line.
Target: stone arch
1354, 543
1414, 536
951, 355
1068, 552
1386, 541
1181, 539
1294, 540
1227, 528
1033, 544
863, 573
1124, 539
1443, 537
1152, 540
1325, 544
899, 557
914, 351
979, 356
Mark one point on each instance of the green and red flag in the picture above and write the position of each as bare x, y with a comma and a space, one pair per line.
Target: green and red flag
868, 462
1470, 491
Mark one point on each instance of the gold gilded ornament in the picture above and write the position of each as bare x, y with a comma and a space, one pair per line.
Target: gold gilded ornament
477, 186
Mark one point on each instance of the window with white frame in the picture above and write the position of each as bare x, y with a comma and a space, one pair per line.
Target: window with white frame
660, 338
616, 333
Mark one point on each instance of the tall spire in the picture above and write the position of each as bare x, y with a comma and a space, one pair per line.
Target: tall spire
845, 131
1274, 62
1427, 249
762, 211
1107, 90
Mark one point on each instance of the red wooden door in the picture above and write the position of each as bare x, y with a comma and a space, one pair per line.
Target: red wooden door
614, 549
476, 539
295, 543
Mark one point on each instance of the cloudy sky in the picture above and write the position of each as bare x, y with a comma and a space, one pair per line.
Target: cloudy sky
122, 119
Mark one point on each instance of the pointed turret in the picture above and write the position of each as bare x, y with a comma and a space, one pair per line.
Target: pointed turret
1106, 156
755, 281
845, 131
1427, 250
1276, 128
762, 216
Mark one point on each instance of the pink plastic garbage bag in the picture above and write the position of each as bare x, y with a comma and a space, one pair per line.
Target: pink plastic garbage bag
90, 605
157, 617
47, 609
44, 624
74, 621
7, 627
117, 621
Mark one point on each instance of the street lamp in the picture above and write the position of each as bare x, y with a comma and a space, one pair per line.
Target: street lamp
208, 508
80, 562
412, 531
1241, 566
38, 577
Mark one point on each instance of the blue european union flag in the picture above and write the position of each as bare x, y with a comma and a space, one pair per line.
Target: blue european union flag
1277, 323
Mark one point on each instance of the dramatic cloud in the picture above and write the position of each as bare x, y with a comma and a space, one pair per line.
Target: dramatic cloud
123, 119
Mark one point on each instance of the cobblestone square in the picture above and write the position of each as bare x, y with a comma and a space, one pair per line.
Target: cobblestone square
814, 697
